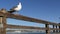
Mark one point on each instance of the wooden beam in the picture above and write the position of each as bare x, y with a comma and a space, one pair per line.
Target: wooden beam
29, 27
24, 27
48, 29
21, 17
59, 27
3, 22
53, 28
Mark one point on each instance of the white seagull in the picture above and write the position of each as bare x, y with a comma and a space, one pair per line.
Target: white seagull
16, 8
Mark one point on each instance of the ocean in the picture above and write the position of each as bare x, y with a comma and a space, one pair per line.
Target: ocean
26, 33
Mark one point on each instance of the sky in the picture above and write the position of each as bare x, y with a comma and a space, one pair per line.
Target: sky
48, 10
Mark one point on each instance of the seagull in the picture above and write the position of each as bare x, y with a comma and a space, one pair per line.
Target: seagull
16, 8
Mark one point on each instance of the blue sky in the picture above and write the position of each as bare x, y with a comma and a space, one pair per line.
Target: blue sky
48, 10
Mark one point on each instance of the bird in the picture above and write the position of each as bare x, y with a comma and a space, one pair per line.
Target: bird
16, 8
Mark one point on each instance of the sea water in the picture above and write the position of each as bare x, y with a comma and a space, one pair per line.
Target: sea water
27, 33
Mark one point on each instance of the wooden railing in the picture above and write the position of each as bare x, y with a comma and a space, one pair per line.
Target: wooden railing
4, 14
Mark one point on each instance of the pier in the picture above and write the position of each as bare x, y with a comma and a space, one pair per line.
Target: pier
4, 14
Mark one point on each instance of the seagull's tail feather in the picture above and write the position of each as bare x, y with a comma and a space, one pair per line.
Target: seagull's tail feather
11, 11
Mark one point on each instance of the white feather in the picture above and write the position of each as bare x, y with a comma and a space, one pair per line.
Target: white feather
19, 6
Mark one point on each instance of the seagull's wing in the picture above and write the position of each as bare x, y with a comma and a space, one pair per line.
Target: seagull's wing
13, 8
11, 11
16, 8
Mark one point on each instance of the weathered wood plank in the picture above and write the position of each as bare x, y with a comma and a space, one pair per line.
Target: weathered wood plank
21, 17
3, 22
29, 27
24, 27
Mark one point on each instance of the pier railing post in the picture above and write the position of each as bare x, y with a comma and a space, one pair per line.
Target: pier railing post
56, 28
2, 22
53, 28
47, 29
59, 28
